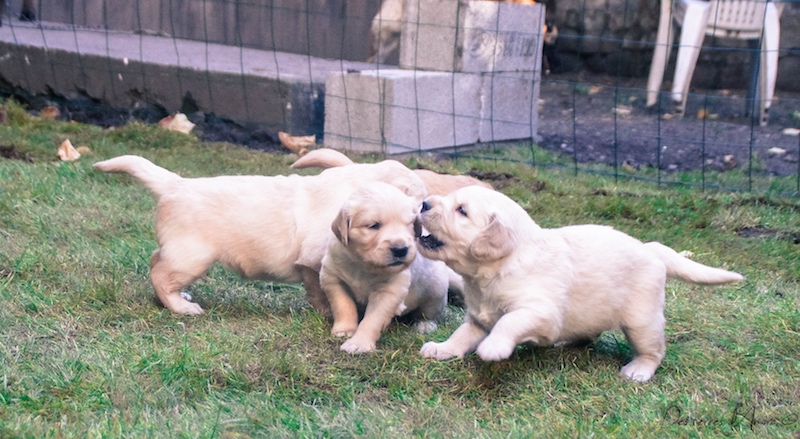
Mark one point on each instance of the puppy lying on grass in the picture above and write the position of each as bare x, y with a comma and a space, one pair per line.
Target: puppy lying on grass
373, 265
524, 284
435, 183
271, 228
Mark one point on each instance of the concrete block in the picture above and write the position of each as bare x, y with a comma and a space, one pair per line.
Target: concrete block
471, 36
509, 106
398, 111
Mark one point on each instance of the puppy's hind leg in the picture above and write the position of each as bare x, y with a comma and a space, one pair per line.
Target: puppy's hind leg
168, 281
314, 292
430, 311
649, 346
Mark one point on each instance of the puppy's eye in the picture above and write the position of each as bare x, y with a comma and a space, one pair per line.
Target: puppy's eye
461, 210
375, 226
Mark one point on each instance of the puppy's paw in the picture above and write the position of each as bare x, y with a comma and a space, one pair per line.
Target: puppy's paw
186, 307
425, 326
437, 351
353, 346
343, 330
639, 370
493, 349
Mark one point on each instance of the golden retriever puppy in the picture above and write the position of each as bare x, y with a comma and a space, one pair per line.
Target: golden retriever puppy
271, 228
435, 183
373, 265
524, 284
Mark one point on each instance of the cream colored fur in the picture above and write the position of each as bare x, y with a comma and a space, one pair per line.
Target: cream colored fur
547, 286
435, 183
385, 31
273, 228
372, 264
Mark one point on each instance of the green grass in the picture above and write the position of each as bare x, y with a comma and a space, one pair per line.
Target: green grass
86, 351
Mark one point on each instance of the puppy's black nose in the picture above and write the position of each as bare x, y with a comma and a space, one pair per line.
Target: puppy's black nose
425, 206
399, 252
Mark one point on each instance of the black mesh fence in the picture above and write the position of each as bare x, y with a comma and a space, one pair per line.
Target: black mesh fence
563, 83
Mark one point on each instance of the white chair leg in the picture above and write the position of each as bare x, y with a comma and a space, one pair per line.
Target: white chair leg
769, 60
664, 39
692, 33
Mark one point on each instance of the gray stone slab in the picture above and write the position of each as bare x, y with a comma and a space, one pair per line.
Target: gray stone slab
509, 106
398, 111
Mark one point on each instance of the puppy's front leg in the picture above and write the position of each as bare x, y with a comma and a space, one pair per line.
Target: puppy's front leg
461, 342
381, 308
343, 307
519, 326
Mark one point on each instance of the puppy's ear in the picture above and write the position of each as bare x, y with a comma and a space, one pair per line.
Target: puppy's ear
341, 226
494, 242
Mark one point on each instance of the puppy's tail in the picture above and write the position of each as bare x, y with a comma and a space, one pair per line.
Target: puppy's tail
681, 268
155, 178
322, 158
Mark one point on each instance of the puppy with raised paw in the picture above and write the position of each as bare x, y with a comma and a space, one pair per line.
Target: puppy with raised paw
526, 284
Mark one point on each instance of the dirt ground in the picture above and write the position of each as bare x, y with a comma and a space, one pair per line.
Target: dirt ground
577, 118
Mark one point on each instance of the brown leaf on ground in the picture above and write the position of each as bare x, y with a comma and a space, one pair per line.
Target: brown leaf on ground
67, 152
50, 112
297, 144
791, 132
623, 110
83, 149
730, 161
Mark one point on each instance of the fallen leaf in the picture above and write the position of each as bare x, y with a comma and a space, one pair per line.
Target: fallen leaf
50, 112
730, 161
667, 116
177, 122
594, 89
623, 110
628, 166
83, 149
686, 254
702, 113
791, 132
776, 151
297, 144
67, 152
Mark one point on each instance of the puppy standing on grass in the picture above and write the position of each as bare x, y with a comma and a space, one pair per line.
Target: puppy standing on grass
271, 228
373, 265
547, 286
